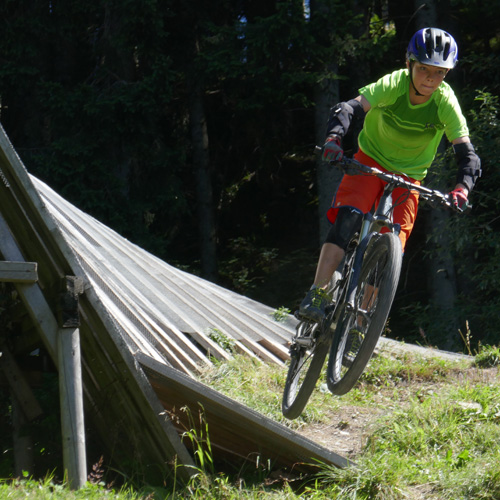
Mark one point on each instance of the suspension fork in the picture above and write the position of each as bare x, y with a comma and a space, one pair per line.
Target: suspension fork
365, 238
371, 225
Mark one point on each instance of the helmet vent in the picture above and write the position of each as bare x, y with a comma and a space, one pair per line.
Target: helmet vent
446, 52
433, 46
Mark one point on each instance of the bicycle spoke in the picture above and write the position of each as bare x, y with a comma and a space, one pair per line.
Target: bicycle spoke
359, 329
305, 367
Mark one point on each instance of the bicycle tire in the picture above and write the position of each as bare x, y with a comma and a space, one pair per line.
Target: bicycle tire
379, 276
304, 370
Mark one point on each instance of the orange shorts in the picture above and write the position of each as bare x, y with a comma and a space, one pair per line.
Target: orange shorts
364, 192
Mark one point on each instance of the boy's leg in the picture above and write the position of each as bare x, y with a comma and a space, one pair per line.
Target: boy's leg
330, 258
354, 197
405, 213
348, 222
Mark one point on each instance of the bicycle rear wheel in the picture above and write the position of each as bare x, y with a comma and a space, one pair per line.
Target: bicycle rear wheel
374, 296
307, 356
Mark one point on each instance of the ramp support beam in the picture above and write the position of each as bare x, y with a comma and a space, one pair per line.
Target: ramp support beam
70, 384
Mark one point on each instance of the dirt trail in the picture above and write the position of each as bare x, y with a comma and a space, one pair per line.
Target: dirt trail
350, 425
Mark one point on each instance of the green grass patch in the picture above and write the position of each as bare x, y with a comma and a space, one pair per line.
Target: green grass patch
434, 435
487, 357
259, 386
442, 440
438, 432
47, 489
407, 368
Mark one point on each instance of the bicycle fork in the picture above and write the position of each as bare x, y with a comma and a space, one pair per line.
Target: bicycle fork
370, 227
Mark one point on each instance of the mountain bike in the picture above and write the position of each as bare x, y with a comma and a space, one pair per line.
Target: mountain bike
362, 292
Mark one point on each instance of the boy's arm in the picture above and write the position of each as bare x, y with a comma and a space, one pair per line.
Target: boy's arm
469, 169
342, 114
469, 164
339, 121
364, 102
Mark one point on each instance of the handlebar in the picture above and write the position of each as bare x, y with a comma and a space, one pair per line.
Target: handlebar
351, 166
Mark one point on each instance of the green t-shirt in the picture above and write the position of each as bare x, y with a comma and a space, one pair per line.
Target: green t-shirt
402, 137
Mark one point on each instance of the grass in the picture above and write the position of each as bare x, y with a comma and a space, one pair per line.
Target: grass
436, 435
433, 434
47, 489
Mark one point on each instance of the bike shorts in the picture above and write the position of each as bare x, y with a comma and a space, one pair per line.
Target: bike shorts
364, 191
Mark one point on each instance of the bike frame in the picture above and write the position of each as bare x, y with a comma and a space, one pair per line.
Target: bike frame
372, 224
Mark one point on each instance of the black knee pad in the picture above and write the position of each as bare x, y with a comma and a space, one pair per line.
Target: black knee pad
346, 224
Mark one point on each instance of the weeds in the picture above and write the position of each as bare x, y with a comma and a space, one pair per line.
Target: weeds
199, 438
487, 357
221, 339
467, 338
435, 437
280, 314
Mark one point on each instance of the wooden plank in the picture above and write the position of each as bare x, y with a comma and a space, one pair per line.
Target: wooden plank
70, 383
123, 405
30, 294
236, 431
18, 272
174, 301
144, 431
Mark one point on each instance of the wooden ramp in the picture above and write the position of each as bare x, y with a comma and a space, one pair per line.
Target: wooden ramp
164, 312
236, 432
145, 329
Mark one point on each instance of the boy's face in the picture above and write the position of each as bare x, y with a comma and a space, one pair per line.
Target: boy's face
427, 78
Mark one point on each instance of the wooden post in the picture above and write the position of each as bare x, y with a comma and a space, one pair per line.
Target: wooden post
70, 384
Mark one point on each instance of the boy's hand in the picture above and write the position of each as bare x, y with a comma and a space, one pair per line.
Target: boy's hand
459, 197
332, 150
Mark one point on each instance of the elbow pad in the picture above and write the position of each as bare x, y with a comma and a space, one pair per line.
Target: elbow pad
341, 116
469, 164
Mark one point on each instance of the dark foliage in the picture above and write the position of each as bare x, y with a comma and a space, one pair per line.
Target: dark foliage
95, 98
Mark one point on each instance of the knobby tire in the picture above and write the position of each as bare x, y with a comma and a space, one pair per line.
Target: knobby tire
380, 272
306, 363
303, 372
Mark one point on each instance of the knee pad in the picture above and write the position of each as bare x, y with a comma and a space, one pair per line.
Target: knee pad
346, 224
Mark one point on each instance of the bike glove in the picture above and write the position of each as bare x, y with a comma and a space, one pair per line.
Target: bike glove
459, 197
332, 150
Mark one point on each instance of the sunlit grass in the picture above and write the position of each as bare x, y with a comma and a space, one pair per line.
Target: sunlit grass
48, 489
435, 436
437, 423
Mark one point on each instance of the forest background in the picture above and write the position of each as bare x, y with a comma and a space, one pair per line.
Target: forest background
190, 127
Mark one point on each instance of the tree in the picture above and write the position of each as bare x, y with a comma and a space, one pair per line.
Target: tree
190, 128
326, 95
441, 268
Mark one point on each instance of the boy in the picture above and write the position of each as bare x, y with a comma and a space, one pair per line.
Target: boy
405, 116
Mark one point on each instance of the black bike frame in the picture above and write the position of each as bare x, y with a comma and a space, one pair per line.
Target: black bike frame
382, 217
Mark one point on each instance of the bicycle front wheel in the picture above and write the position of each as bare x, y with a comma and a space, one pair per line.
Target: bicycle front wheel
307, 356
360, 327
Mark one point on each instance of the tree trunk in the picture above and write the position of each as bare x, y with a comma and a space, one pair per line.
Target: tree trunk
326, 95
328, 178
204, 196
440, 270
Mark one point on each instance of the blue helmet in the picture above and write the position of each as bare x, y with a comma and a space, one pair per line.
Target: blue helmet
434, 47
